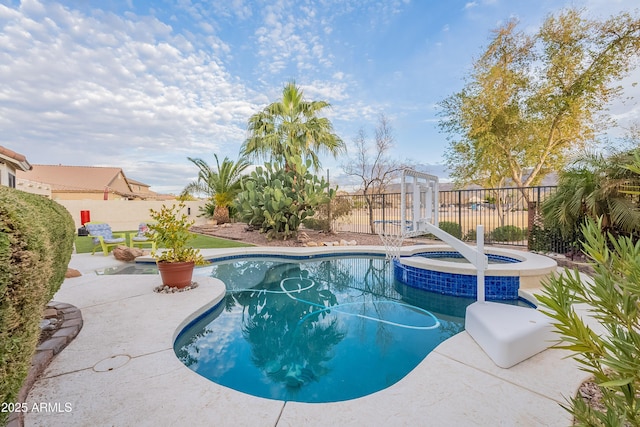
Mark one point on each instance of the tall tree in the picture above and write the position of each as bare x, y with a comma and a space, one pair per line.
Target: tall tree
531, 100
291, 127
222, 183
372, 165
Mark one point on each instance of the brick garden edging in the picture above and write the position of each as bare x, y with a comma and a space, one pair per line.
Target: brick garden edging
68, 329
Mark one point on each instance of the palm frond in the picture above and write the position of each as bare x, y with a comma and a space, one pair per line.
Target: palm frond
291, 127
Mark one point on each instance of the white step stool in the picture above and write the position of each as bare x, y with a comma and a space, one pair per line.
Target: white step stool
509, 334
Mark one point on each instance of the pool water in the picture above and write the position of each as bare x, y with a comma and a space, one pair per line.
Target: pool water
319, 330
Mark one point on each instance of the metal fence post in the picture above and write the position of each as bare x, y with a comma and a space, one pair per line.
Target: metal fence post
384, 212
460, 207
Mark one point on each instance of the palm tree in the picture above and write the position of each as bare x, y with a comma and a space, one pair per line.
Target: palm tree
291, 127
221, 184
598, 187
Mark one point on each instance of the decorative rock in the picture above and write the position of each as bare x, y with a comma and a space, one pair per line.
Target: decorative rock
46, 325
343, 242
124, 253
352, 243
312, 243
163, 289
72, 272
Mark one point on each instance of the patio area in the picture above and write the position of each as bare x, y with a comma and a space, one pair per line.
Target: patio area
121, 370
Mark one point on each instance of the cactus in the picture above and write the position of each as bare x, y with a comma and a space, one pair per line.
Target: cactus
277, 198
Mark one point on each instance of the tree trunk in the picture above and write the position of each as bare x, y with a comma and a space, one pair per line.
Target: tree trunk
370, 208
221, 214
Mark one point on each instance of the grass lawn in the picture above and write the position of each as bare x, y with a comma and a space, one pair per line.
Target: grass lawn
84, 244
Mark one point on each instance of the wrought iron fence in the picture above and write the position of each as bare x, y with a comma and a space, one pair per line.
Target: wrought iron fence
508, 214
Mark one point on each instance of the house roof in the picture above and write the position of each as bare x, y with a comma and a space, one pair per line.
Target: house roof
89, 179
136, 182
16, 158
80, 178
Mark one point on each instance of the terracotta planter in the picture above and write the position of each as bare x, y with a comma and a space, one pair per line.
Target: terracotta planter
176, 274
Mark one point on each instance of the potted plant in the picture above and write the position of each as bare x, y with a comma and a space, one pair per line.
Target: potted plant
171, 232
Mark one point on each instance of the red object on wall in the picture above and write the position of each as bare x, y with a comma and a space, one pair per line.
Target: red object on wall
85, 216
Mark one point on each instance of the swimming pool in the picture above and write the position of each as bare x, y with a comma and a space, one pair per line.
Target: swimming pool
315, 330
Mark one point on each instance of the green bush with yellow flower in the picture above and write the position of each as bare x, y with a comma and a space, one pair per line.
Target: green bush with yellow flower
170, 229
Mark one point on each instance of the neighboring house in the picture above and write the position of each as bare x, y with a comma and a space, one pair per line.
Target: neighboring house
88, 182
34, 187
10, 163
139, 187
144, 192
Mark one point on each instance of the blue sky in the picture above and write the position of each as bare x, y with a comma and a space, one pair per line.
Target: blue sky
143, 85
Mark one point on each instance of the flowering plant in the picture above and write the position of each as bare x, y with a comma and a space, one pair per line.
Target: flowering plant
171, 231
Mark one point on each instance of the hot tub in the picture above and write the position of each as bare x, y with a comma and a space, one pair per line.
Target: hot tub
439, 269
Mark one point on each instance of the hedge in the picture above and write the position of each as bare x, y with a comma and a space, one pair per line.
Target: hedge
36, 241
452, 228
508, 233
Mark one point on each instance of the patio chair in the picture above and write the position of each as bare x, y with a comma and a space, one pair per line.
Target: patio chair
141, 238
103, 237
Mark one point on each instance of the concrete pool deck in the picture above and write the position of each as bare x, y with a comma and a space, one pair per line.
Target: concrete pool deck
121, 371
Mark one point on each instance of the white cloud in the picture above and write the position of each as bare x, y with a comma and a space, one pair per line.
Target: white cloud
102, 91
325, 90
290, 38
147, 88
32, 7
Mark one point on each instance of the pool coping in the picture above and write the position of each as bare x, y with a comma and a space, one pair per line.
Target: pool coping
530, 263
124, 318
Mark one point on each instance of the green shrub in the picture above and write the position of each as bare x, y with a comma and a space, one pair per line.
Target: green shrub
471, 235
546, 236
340, 206
613, 294
36, 241
452, 228
208, 209
449, 227
316, 223
508, 233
